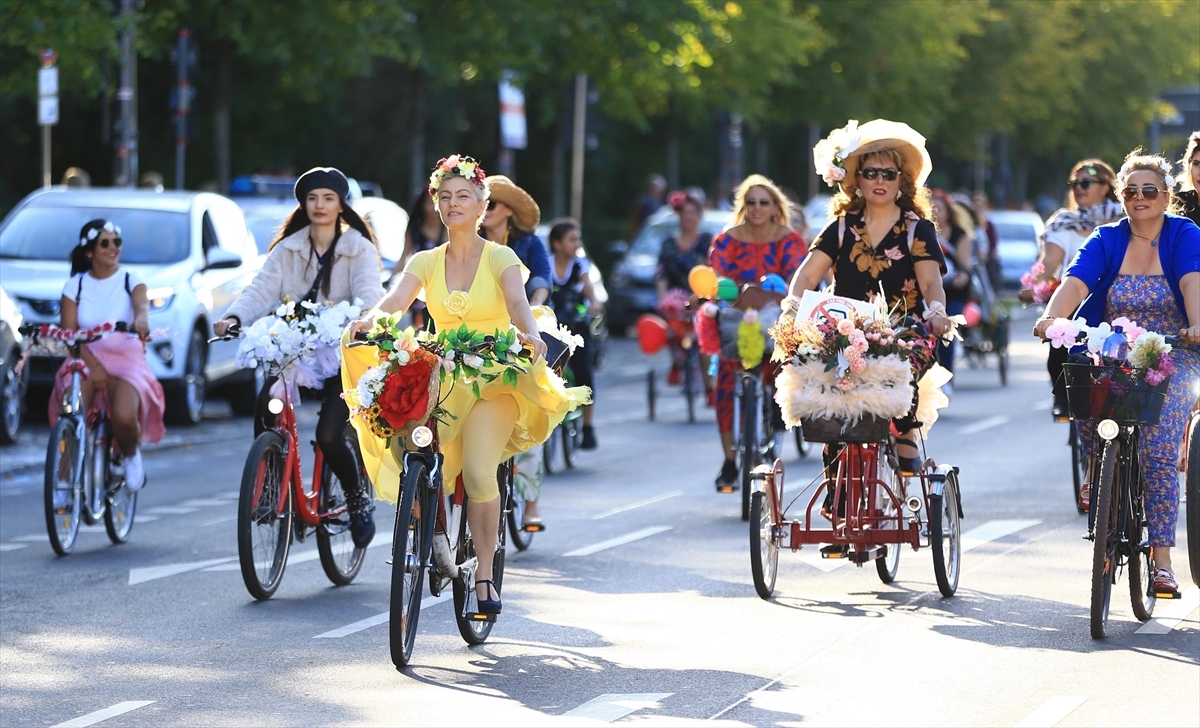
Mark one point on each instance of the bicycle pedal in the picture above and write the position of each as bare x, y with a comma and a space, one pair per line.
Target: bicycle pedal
1168, 595
533, 528
481, 617
726, 488
1062, 419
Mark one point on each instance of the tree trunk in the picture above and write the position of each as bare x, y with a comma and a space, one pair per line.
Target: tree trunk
558, 169
221, 103
417, 169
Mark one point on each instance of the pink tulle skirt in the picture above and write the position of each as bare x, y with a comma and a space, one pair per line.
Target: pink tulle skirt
124, 358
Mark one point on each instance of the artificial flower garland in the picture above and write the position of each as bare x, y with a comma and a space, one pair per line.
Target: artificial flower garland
456, 165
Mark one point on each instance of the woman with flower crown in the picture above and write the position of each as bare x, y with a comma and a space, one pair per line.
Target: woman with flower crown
880, 236
1145, 268
478, 283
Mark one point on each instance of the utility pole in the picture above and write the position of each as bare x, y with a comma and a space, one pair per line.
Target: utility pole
47, 105
127, 147
578, 139
183, 104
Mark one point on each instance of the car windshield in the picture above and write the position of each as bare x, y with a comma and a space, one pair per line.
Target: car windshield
1015, 231
651, 239
49, 233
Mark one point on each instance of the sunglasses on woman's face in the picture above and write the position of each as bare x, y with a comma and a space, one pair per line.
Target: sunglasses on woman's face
765, 202
888, 173
1146, 192
1083, 184
103, 243
491, 204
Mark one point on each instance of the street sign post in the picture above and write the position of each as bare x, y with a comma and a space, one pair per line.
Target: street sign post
47, 105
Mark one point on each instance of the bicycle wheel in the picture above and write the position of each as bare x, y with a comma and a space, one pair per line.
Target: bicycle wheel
1193, 498
1078, 464
1141, 566
120, 502
264, 534
407, 566
945, 536
889, 563
571, 434
764, 546
691, 382
550, 451
749, 442
475, 631
1106, 537
651, 394
340, 558
803, 447
516, 516
62, 463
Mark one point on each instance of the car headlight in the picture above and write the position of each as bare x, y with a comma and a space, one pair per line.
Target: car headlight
160, 298
44, 308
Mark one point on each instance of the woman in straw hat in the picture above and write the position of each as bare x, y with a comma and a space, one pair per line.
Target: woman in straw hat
512, 216
880, 234
761, 242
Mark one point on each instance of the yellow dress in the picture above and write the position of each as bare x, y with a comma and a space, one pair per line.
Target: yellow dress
543, 400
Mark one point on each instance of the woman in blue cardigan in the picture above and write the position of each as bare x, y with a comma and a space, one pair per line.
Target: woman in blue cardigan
1147, 268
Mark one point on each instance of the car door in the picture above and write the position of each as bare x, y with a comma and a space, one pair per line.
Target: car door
224, 235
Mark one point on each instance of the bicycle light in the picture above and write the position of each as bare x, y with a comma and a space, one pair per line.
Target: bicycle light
422, 436
275, 406
1107, 429
914, 503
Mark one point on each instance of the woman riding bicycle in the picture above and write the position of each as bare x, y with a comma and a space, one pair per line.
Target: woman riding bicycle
761, 242
1091, 202
1147, 269
680, 253
1187, 201
574, 300
323, 252
955, 240
478, 283
120, 381
881, 198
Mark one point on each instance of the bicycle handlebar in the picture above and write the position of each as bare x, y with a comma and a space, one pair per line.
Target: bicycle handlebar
73, 337
233, 332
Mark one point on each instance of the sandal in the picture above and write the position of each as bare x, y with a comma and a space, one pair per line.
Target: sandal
1085, 497
488, 606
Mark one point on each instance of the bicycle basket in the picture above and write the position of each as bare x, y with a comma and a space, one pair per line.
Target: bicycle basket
1111, 393
867, 429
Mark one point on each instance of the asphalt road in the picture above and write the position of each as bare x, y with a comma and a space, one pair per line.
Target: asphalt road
664, 628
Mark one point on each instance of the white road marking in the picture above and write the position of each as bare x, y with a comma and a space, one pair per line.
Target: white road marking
638, 504
169, 511
1168, 613
100, 715
982, 534
205, 503
982, 425
381, 618
139, 518
31, 537
223, 519
303, 557
1051, 712
12, 546
615, 706
140, 576
1042, 404
618, 541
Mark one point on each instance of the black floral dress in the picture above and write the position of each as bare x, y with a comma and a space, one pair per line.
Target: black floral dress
860, 266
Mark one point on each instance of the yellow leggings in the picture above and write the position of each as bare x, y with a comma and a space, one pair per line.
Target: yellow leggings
485, 433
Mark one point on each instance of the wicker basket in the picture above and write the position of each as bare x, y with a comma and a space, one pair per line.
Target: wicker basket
868, 429
1110, 393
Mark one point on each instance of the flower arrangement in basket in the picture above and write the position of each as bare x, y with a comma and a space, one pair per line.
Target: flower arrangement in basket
1121, 372
847, 369
298, 342
404, 390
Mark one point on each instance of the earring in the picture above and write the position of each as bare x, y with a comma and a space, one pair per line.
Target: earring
857, 192
898, 193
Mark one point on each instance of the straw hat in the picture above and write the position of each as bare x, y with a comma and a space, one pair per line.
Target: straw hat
526, 213
881, 134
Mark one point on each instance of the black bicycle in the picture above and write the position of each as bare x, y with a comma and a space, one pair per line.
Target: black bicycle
757, 429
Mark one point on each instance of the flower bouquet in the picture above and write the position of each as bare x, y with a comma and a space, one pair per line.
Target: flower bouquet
1120, 373
298, 343
1040, 289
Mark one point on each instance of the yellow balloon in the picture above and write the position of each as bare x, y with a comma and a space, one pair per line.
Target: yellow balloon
703, 281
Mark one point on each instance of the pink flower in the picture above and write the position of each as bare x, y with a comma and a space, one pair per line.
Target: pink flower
873, 336
893, 254
844, 384
889, 331
1131, 329
1062, 333
858, 365
1155, 376
448, 365
845, 326
859, 346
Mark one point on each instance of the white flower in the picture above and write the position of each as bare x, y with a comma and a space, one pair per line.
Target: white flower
1147, 349
1097, 335
474, 361
401, 357
830, 153
286, 309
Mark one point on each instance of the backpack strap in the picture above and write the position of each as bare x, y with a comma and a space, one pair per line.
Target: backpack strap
128, 290
79, 291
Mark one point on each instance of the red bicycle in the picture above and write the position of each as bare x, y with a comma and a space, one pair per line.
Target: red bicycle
274, 506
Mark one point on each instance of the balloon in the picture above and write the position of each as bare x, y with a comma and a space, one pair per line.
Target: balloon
774, 283
703, 281
973, 314
727, 290
652, 333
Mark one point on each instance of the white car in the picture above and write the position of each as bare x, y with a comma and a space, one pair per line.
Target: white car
1018, 232
192, 249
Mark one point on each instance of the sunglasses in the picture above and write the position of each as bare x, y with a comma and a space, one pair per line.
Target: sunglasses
1083, 184
491, 204
765, 202
887, 173
103, 243
1146, 192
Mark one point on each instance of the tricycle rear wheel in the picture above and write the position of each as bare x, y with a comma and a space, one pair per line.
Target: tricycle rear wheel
764, 546
945, 536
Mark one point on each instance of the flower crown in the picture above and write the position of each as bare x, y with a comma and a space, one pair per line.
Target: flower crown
830, 153
1163, 165
109, 227
456, 165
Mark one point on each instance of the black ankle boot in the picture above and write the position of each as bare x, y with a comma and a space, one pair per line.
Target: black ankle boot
362, 523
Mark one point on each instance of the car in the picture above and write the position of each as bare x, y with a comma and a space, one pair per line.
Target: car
1018, 232
389, 221
12, 376
192, 249
632, 277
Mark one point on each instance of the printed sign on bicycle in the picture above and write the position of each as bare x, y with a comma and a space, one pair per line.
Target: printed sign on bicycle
816, 305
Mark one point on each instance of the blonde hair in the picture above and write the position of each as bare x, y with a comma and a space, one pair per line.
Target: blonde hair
1139, 161
757, 180
1185, 162
1097, 168
912, 198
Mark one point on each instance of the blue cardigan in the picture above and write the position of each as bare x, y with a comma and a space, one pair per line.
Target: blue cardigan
1098, 262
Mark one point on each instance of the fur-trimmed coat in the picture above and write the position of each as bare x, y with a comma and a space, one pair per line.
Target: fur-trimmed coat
291, 267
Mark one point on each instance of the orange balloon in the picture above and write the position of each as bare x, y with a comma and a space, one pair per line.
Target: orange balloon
703, 281
652, 333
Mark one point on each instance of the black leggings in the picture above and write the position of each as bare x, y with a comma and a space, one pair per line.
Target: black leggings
1054, 365
581, 363
331, 427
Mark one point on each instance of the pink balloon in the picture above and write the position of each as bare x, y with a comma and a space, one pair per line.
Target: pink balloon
973, 314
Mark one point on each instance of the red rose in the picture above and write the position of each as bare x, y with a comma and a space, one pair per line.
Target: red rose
405, 395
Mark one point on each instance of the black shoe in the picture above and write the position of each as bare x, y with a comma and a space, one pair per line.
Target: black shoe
909, 466
1060, 411
489, 606
362, 526
727, 479
589, 438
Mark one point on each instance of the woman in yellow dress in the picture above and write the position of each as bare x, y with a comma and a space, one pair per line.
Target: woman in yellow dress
478, 283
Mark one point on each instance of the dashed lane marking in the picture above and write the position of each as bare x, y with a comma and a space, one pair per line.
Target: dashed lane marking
205, 503
1051, 712
638, 504
378, 619
982, 425
302, 557
12, 546
222, 519
101, 715
169, 511
618, 541
615, 706
1168, 613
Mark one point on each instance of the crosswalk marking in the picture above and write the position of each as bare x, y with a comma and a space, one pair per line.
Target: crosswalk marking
110, 712
12, 546
1051, 712
1168, 613
614, 706
982, 425
637, 504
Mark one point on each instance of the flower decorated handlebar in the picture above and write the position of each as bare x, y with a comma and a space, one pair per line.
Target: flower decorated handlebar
73, 337
1121, 344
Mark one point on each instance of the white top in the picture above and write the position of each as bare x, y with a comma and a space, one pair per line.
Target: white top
584, 266
1070, 241
102, 300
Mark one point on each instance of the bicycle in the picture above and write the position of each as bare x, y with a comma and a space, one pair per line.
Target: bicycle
1192, 485
274, 507
757, 431
570, 432
80, 482
521, 534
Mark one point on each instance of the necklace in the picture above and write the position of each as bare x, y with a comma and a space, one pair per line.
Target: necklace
1153, 241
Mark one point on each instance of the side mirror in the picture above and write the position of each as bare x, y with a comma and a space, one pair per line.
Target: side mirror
219, 258
618, 247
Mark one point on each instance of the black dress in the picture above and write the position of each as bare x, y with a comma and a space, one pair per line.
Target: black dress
1190, 205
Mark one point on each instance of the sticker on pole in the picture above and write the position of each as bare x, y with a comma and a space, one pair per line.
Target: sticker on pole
817, 306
